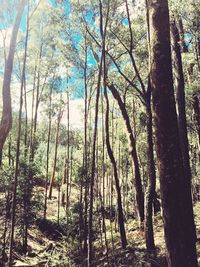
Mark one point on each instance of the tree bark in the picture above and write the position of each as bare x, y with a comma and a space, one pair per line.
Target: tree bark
175, 187
6, 119
180, 99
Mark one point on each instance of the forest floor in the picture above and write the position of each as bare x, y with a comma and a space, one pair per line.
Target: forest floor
48, 246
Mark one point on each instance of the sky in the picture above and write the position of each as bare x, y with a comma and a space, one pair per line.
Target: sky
76, 102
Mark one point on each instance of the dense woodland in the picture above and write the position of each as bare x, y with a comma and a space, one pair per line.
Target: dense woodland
100, 133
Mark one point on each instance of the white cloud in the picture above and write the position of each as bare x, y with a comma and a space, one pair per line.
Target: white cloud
5, 35
75, 114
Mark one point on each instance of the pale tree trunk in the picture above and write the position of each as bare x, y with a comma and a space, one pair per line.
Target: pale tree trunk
151, 192
47, 154
55, 153
65, 180
83, 216
151, 189
27, 188
85, 219
17, 170
176, 197
68, 156
6, 119
102, 185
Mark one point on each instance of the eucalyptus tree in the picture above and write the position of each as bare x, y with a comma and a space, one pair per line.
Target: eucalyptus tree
175, 184
42, 60
132, 55
8, 115
103, 30
59, 118
75, 49
6, 119
179, 81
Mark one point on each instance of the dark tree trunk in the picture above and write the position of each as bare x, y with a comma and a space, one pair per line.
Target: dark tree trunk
118, 190
5, 227
175, 187
6, 119
63, 195
90, 222
133, 151
180, 99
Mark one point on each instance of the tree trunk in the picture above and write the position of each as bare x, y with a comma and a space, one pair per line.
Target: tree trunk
68, 156
6, 119
90, 222
196, 107
85, 156
14, 199
65, 180
133, 151
102, 186
180, 99
47, 154
175, 187
118, 190
151, 189
27, 188
55, 154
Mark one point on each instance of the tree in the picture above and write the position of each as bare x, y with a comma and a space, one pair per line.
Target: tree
196, 107
59, 117
6, 119
151, 192
180, 99
117, 184
175, 187
133, 151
